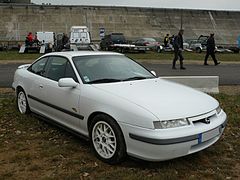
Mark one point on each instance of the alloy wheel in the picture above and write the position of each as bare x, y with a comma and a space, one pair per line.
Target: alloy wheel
104, 139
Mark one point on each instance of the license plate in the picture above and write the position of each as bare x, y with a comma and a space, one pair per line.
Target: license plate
202, 137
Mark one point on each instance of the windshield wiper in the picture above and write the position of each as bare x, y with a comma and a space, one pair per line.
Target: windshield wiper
105, 80
135, 78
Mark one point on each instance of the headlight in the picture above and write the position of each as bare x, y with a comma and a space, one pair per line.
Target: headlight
170, 123
218, 109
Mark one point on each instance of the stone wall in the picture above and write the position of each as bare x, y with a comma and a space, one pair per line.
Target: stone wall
17, 20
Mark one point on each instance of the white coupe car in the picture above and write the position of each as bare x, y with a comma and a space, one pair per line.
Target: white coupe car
120, 106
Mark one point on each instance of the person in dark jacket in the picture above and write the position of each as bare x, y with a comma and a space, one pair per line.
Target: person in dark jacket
65, 39
211, 50
178, 48
35, 39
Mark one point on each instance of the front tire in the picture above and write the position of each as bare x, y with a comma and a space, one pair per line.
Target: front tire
198, 50
107, 139
159, 50
22, 103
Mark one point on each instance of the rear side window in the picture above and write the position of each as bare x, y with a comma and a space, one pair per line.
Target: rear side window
117, 37
39, 66
140, 41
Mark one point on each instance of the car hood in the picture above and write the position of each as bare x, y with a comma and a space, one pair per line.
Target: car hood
164, 99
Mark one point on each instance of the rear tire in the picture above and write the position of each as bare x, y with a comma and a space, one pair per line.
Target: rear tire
198, 50
22, 103
107, 139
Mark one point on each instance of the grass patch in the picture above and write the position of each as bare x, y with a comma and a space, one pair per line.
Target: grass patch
187, 55
32, 148
14, 55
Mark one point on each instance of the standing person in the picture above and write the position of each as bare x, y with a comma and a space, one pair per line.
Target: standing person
30, 36
211, 50
35, 39
166, 40
178, 48
29, 39
65, 39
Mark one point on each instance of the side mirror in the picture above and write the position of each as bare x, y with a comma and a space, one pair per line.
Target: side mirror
67, 82
154, 73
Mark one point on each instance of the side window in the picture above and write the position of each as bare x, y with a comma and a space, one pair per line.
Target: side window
38, 67
69, 73
83, 35
56, 68
76, 35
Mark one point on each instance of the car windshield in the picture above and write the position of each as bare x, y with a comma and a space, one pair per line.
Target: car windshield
109, 68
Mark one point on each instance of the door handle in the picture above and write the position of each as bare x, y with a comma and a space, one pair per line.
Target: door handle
40, 86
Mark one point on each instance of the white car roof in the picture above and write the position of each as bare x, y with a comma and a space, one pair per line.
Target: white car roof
71, 54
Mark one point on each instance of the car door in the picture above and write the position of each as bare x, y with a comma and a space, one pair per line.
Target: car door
61, 103
35, 81
139, 42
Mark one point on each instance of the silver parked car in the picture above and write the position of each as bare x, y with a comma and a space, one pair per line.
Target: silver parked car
149, 42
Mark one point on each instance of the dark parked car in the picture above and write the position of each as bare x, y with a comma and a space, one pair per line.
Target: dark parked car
234, 49
203, 40
109, 40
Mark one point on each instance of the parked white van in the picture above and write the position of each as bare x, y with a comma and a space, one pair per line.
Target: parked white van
80, 36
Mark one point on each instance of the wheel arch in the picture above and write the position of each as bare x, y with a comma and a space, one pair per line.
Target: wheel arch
18, 88
91, 117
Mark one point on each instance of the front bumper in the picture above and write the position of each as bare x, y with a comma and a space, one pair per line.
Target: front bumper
159, 145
